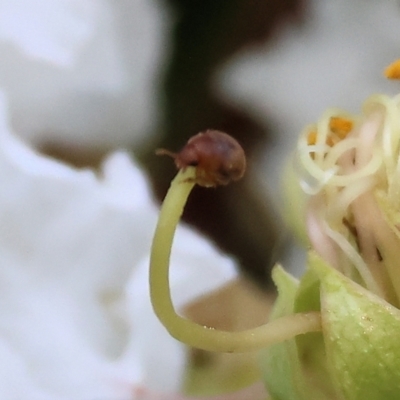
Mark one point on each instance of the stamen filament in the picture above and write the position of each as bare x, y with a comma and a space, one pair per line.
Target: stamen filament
189, 332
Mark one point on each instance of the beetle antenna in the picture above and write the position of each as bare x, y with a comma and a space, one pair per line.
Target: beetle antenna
165, 152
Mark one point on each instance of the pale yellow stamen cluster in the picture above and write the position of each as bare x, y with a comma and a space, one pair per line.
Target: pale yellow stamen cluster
339, 128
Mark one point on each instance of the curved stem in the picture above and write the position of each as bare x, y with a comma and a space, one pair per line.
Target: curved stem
187, 331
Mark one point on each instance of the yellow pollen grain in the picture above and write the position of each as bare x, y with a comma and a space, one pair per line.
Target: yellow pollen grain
340, 126
331, 141
392, 71
312, 138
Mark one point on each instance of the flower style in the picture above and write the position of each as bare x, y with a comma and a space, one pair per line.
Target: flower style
76, 320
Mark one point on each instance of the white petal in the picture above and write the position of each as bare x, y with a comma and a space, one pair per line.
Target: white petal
82, 72
71, 325
334, 59
49, 30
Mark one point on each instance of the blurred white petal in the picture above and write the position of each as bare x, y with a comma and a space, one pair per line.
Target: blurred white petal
82, 72
334, 59
47, 30
76, 321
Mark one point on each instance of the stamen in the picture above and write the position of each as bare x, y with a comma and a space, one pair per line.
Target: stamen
340, 126
189, 332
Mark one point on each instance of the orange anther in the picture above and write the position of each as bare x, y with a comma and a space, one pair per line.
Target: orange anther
312, 137
392, 71
340, 126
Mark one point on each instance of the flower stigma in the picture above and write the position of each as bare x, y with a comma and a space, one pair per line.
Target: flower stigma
214, 161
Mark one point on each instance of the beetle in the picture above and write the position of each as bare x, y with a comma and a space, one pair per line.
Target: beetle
217, 156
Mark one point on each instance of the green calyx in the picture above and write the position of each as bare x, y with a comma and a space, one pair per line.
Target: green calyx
355, 357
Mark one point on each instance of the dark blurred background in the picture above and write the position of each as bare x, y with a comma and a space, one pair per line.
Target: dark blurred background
205, 36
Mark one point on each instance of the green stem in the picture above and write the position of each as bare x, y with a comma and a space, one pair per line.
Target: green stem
187, 331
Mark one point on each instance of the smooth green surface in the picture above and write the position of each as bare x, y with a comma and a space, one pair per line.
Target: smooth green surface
279, 362
317, 382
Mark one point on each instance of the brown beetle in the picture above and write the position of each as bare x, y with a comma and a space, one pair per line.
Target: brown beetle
218, 158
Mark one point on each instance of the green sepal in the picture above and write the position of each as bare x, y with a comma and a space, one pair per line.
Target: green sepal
280, 362
317, 383
361, 334
296, 369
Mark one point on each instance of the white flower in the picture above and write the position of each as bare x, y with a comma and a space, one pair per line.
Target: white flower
75, 317
82, 72
333, 59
